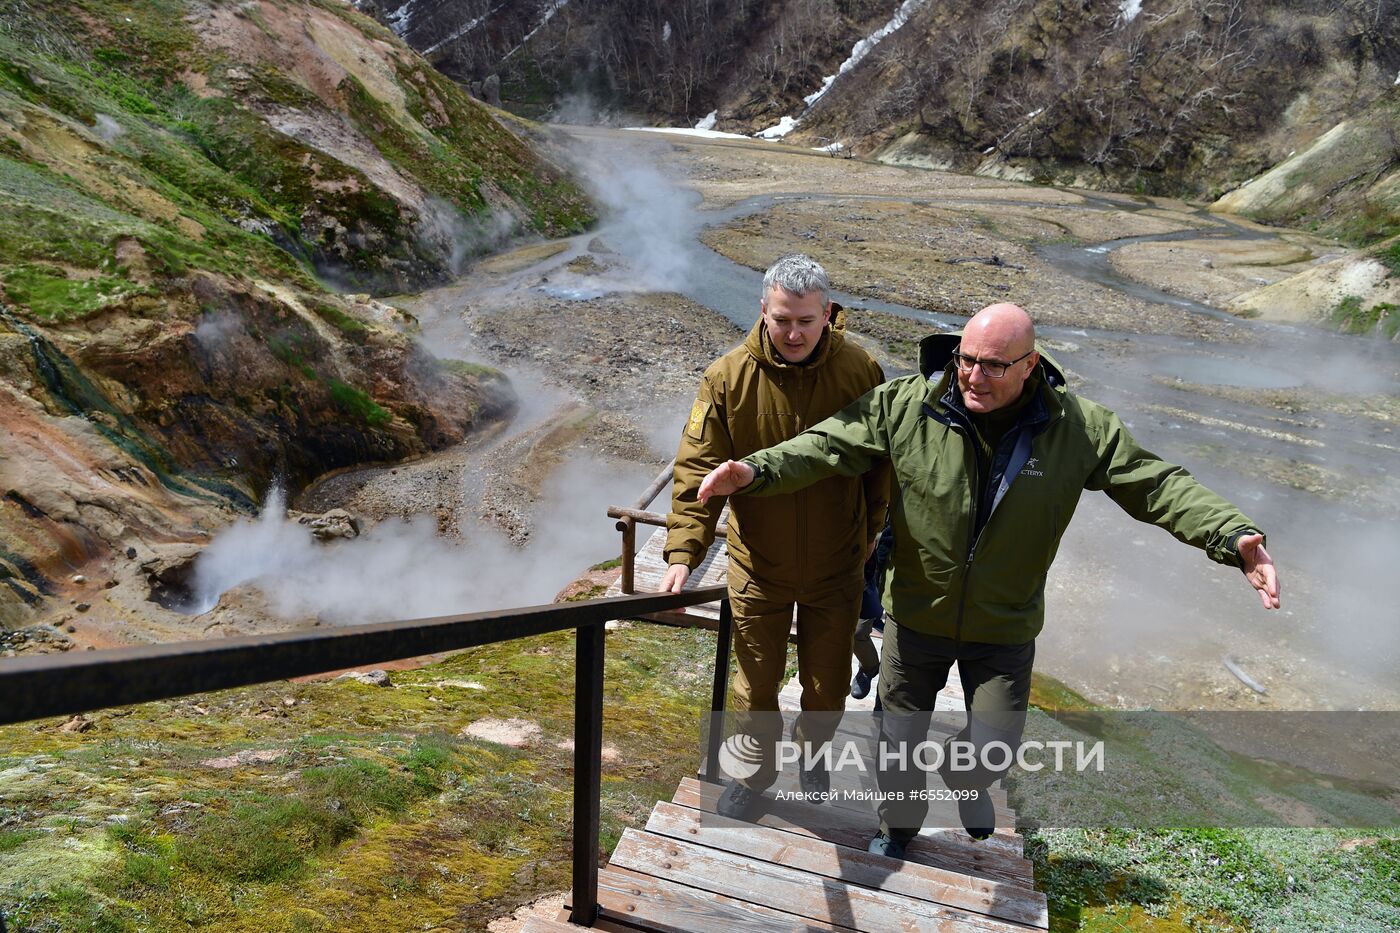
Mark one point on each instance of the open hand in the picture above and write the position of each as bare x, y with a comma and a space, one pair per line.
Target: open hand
1259, 569
727, 478
676, 575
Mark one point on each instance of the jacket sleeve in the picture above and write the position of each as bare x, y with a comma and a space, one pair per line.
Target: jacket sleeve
849, 443
1163, 494
705, 444
877, 483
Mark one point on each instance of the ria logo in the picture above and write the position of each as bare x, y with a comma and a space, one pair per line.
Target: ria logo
1030, 469
740, 756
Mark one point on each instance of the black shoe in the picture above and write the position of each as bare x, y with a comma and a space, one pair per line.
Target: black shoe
979, 816
739, 802
860, 684
815, 779
884, 845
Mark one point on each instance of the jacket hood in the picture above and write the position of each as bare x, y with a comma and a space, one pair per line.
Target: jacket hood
936, 352
761, 348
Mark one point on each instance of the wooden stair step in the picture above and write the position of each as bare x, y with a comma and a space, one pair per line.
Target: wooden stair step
667, 906
942, 824
942, 812
848, 865
814, 897
947, 849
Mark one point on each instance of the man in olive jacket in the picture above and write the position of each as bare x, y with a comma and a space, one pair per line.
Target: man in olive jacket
990, 453
806, 549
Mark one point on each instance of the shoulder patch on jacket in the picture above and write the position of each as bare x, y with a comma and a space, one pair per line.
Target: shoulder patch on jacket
696, 426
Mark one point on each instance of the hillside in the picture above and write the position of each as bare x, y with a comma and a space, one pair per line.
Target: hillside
189, 190
1174, 97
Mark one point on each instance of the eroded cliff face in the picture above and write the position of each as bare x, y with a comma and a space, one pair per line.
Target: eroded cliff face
178, 180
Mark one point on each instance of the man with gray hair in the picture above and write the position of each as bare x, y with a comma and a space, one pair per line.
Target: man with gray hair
807, 549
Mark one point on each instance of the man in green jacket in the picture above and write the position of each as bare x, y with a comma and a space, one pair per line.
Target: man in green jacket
990, 453
805, 549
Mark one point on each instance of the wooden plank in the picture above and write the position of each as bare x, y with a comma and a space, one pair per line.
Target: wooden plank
948, 849
852, 866
815, 897
670, 907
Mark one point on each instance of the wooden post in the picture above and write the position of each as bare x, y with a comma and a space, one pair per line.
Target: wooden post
628, 527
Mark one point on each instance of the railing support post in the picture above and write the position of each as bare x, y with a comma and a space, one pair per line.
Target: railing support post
588, 764
720, 692
628, 527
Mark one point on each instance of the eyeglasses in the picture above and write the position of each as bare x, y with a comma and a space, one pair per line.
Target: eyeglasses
994, 368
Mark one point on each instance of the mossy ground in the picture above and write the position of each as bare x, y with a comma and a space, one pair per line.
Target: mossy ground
189, 167
374, 807
1213, 879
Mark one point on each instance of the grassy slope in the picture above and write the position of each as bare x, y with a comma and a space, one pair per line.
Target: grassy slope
1164, 881
375, 810
371, 807
120, 124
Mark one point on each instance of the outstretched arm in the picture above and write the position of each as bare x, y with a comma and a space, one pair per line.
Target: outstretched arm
849, 443
1259, 568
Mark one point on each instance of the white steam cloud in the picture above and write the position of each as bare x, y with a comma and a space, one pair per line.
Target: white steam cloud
647, 217
459, 237
403, 570
106, 128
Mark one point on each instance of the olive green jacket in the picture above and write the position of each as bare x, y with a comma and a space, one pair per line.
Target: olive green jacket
749, 399
948, 578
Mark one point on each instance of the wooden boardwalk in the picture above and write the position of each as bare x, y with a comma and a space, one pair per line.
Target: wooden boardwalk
801, 867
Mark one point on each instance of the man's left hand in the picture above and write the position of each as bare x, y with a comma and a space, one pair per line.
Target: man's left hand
1259, 569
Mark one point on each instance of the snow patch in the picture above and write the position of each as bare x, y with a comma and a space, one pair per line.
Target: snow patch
666, 32
778, 130
833, 148
686, 131
865, 46
462, 31
708, 123
1128, 10
1397, 77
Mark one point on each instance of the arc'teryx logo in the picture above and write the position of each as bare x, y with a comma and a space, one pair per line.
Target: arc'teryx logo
1030, 469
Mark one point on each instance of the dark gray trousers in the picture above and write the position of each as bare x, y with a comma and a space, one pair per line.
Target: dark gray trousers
996, 682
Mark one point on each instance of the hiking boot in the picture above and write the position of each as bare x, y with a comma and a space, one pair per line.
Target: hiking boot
860, 684
815, 779
978, 815
739, 802
884, 845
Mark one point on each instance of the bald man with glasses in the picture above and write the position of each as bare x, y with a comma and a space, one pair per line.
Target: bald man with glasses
990, 452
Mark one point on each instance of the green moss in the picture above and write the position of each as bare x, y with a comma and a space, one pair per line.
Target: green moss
1390, 255
359, 787
473, 370
1351, 317
350, 326
13, 839
262, 839
51, 295
358, 403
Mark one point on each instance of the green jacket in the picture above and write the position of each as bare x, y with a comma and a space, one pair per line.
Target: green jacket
948, 578
749, 399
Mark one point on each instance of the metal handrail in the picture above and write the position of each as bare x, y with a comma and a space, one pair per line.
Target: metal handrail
57, 685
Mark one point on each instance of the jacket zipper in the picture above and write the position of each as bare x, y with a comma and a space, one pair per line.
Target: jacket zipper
972, 536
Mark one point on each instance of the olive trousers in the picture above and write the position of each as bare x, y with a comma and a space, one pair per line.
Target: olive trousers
826, 621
